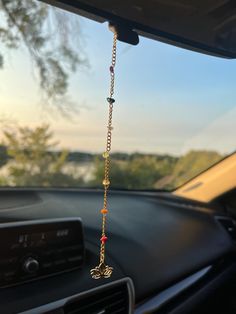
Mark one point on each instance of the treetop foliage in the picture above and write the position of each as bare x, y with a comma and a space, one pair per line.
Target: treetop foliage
46, 33
31, 158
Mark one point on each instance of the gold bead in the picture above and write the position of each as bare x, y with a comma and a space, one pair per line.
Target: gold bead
105, 155
106, 182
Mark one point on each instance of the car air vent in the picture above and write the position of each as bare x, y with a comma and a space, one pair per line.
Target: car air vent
229, 224
110, 299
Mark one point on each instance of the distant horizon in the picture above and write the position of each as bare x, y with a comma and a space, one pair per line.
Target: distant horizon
71, 148
144, 153
59, 149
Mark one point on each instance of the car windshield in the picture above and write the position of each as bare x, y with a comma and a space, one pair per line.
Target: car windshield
174, 114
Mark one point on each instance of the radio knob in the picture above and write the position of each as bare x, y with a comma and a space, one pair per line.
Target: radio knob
30, 265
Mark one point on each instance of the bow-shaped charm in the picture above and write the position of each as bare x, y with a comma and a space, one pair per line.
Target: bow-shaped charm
101, 271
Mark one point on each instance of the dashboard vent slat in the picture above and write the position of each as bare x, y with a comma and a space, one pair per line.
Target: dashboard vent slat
105, 300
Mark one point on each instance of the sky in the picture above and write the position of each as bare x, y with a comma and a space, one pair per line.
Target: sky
168, 100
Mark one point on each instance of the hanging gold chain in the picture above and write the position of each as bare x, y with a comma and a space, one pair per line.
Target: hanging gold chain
102, 270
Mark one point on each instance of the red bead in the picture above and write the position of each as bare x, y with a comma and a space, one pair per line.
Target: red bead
111, 69
104, 239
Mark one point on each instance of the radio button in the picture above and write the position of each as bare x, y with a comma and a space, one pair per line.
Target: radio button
75, 258
59, 262
31, 265
47, 265
9, 276
48, 253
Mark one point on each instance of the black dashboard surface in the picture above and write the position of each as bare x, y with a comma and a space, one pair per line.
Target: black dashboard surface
153, 240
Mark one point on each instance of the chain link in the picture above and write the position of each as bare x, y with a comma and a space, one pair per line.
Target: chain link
106, 181
103, 270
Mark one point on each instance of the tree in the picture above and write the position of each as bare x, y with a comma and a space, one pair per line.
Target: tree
192, 164
51, 48
34, 161
139, 172
3, 155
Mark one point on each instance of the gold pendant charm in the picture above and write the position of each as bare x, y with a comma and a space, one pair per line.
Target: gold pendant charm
101, 271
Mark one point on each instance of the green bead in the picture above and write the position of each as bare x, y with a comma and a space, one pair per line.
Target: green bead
105, 155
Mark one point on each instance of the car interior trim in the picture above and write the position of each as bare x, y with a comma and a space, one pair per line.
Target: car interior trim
59, 304
166, 295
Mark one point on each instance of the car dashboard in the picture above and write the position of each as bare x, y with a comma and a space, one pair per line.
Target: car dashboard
161, 247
